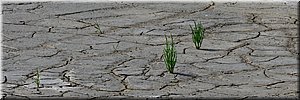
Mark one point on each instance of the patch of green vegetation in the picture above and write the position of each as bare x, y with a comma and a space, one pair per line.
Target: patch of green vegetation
37, 79
198, 34
98, 29
170, 56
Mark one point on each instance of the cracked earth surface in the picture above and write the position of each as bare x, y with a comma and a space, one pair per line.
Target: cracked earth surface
250, 50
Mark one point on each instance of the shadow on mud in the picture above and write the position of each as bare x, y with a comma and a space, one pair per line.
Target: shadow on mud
212, 49
187, 75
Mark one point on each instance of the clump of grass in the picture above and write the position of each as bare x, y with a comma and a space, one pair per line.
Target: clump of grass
198, 34
170, 56
98, 29
37, 80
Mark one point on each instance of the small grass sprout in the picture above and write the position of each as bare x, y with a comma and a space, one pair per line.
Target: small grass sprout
37, 79
98, 29
198, 34
170, 56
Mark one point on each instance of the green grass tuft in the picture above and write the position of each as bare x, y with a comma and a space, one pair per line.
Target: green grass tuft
37, 79
98, 29
170, 56
198, 34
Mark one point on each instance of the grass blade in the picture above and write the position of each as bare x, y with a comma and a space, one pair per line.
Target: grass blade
170, 56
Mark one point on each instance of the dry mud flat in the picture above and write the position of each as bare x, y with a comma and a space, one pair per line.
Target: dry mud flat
249, 50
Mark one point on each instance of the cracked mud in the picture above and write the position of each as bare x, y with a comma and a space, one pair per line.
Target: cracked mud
250, 50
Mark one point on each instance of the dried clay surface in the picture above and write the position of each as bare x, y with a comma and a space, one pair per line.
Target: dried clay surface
250, 50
